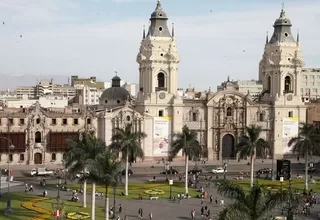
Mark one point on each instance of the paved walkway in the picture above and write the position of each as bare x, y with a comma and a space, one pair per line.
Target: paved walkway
161, 209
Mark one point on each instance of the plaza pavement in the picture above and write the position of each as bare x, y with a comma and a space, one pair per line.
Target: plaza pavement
163, 209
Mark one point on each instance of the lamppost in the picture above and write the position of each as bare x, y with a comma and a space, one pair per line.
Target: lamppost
8, 209
57, 206
281, 181
114, 200
170, 184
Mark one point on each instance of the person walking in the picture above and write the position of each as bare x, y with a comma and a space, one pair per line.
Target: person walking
140, 213
120, 208
150, 215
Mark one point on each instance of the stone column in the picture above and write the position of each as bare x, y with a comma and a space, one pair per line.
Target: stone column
210, 143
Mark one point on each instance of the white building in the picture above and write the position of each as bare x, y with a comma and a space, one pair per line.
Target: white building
44, 101
252, 87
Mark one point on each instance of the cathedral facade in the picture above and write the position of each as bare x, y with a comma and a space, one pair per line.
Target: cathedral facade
162, 109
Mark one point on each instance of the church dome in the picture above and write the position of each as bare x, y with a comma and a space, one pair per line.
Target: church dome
115, 95
282, 20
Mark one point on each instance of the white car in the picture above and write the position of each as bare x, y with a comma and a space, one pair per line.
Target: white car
219, 170
79, 175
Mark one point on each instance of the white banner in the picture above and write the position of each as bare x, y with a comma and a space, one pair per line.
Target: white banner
162, 131
290, 129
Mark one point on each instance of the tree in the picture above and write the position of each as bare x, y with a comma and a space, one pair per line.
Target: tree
80, 156
185, 141
127, 141
251, 143
254, 204
306, 144
105, 171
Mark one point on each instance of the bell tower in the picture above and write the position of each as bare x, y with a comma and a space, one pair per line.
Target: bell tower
280, 72
158, 56
282, 62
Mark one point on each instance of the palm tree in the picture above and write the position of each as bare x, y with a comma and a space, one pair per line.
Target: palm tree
80, 156
106, 171
306, 144
187, 142
127, 141
254, 204
250, 144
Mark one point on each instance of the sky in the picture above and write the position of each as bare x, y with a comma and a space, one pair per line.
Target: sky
216, 38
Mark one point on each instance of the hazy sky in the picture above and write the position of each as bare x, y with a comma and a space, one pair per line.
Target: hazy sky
216, 38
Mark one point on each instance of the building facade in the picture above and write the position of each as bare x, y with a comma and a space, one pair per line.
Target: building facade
161, 109
40, 135
252, 87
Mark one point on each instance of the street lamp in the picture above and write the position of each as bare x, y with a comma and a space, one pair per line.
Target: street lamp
281, 181
170, 184
9, 210
57, 206
114, 201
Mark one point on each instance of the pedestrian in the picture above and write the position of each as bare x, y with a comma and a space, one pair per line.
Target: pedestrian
206, 207
211, 198
140, 213
193, 214
120, 208
221, 202
150, 215
202, 201
216, 201
202, 211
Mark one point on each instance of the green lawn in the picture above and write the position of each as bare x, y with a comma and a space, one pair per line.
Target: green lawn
21, 213
276, 185
139, 188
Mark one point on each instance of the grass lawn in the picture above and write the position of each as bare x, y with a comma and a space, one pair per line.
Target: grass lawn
140, 188
276, 185
21, 213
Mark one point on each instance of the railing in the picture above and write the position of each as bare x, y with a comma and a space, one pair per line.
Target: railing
287, 91
161, 89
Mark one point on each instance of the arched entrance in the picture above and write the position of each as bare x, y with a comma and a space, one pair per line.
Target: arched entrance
228, 148
37, 158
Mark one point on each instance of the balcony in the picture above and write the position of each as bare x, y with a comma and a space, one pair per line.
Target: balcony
161, 89
287, 91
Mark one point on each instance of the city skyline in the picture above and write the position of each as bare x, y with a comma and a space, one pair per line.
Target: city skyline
95, 38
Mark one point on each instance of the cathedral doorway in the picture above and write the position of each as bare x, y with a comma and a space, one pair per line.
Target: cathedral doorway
37, 158
228, 148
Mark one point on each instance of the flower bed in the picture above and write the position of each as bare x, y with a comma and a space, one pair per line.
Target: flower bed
78, 215
32, 205
154, 192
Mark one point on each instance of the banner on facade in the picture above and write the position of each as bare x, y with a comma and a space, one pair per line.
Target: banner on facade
162, 131
290, 129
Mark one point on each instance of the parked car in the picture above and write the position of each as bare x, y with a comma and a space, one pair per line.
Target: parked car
195, 171
264, 171
219, 170
170, 171
123, 172
80, 175
41, 172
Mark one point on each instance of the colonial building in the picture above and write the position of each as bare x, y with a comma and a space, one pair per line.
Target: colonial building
161, 108
40, 135
219, 118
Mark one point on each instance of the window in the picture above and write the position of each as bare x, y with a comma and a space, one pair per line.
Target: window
75, 121
53, 157
64, 121
106, 101
128, 118
10, 121
21, 157
89, 121
261, 117
37, 137
290, 114
229, 111
161, 113
269, 83
161, 80
54, 121
38, 120
21, 121
10, 157
287, 84
194, 116
118, 101
314, 90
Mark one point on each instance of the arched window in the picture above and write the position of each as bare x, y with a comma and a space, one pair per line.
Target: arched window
287, 84
269, 83
53, 157
161, 80
37, 137
229, 111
